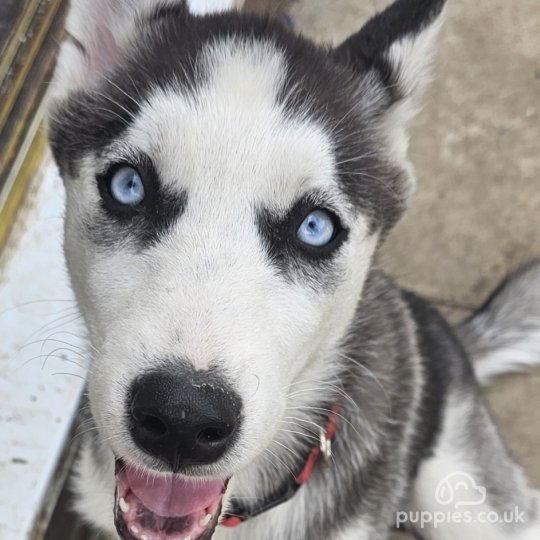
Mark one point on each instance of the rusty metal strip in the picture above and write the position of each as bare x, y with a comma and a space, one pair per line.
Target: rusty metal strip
13, 43
25, 71
28, 54
27, 172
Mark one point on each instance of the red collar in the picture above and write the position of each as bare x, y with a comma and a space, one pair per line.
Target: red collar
239, 513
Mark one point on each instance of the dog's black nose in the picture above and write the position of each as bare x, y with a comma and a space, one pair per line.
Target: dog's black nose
184, 420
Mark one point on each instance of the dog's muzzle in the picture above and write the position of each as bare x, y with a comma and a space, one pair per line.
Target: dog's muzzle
184, 420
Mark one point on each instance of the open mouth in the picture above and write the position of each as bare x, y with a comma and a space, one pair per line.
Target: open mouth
165, 507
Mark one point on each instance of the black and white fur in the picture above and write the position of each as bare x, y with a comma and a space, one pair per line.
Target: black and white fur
241, 126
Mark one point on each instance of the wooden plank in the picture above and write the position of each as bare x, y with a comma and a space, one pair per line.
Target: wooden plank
31, 32
30, 42
15, 20
20, 186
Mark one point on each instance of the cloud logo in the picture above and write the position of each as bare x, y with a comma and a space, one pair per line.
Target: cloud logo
460, 489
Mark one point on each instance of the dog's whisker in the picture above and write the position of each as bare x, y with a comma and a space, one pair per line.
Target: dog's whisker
325, 381
302, 434
53, 340
52, 354
83, 348
330, 411
114, 102
87, 422
332, 388
73, 334
65, 319
70, 350
112, 83
307, 421
69, 375
290, 450
84, 432
287, 467
113, 438
287, 420
57, 356
268, 460
370, 373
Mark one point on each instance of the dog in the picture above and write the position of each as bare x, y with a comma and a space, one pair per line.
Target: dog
253, 374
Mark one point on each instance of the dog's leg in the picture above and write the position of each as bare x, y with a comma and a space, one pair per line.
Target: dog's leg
362, 529
470, 488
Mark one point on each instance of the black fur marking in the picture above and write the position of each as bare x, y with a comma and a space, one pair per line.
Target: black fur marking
365, 50
438, 349
291, 256
145, 223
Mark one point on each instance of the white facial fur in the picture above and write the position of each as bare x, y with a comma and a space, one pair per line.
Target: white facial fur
208, 293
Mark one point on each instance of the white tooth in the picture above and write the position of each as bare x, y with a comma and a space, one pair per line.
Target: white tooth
205, 520
187, 538
144, 537
124, 506
134, 529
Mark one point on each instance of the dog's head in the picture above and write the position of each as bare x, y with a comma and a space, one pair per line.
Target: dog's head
227, 185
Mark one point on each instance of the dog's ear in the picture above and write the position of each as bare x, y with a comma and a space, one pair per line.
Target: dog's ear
391, 56
395, 48
97, 33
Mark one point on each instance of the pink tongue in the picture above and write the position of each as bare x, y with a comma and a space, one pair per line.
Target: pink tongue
173, 496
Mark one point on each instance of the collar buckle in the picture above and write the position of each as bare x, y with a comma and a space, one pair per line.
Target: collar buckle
325, 445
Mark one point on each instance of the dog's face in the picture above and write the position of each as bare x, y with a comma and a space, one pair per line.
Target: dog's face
227, 184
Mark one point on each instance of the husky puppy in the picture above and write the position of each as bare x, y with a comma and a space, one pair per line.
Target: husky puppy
228, 185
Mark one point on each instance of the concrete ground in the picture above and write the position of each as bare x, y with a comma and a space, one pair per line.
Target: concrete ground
476, 149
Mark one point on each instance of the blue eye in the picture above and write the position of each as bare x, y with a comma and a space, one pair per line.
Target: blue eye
126, 187
317, 229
